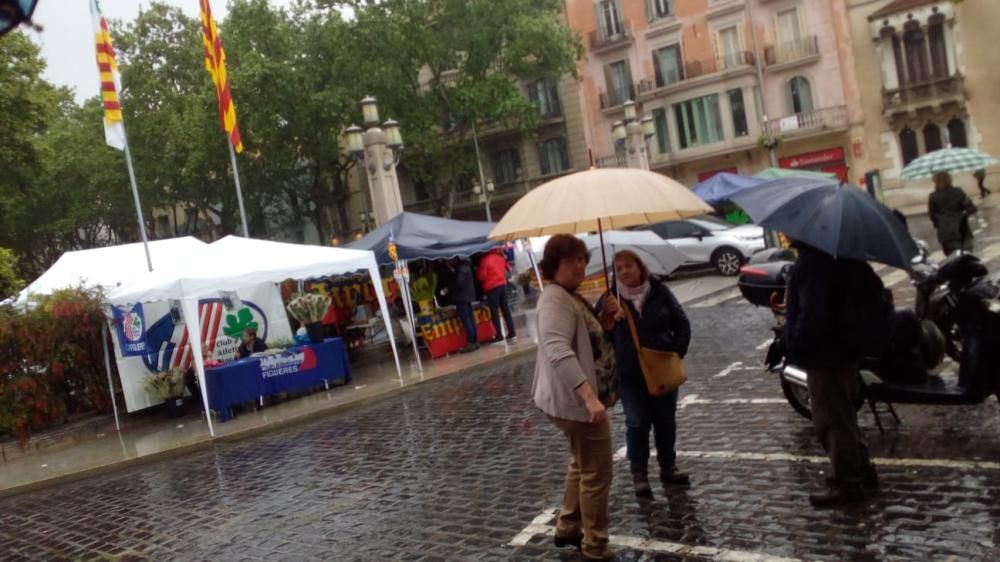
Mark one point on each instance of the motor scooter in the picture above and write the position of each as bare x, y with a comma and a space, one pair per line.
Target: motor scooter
974, 301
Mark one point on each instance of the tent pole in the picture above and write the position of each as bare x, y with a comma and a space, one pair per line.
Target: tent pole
380, 295
107, 367
193, 324
534, 266
408, 306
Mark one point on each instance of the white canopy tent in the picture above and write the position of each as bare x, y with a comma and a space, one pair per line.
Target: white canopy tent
106, 268
234, 262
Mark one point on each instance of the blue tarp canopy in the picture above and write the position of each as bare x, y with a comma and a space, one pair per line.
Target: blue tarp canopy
722, 185
426, 237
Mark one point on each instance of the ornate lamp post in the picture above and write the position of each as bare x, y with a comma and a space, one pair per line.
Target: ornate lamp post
379, 150
485, 196
633, 135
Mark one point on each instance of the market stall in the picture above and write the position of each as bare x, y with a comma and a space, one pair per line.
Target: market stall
227, 268
416, 247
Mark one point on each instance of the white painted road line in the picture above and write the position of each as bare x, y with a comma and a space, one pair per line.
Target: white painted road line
764, 345
725, 372
620, 455
784, 457
544, 525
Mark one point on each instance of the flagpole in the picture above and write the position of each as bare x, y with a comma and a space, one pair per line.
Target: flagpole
239, 191
135, 197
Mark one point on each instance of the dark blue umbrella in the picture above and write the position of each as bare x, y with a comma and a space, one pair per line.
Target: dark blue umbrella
721, 186
841, 220
14, 13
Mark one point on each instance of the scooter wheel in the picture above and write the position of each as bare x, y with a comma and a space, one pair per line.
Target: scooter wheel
798, 397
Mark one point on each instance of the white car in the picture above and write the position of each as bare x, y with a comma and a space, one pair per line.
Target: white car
708, 240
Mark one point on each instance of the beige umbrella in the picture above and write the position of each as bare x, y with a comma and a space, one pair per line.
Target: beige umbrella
596, 200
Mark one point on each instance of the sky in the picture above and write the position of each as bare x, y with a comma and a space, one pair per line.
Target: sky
67, 40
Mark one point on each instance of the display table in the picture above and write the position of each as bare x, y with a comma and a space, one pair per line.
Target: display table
443, 332
299, 368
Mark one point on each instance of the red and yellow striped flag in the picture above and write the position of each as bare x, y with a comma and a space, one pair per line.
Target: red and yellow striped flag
114, 129
215, 62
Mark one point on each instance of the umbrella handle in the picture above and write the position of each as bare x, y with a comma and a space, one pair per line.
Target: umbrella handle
604, 256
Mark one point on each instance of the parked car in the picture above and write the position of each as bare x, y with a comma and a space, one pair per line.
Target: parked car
708, 240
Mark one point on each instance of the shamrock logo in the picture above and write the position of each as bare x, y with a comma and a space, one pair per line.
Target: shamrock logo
237, 323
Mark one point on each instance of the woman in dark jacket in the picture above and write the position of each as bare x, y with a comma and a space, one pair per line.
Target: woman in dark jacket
661, 324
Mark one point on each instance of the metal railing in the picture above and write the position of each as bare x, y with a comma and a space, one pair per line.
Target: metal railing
617, 160
600, 40
935, 88
809, 121
791, 51
699, 68
615, 99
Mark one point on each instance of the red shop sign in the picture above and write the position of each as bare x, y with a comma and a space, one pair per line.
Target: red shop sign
811, 159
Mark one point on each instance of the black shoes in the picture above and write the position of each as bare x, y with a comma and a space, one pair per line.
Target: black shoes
469, 348
673, 477
837, 496
575, 541
641, 482
869, 479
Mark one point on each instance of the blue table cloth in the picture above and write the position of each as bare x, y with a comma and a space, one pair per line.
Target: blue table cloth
299, 368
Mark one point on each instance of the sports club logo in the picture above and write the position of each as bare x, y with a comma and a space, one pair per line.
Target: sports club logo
168, 342
132, 326
277, 365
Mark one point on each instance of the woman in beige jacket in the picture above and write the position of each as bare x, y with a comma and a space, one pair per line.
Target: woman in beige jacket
573, 385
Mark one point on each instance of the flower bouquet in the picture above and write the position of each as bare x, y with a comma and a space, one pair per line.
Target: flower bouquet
167, 386
422, 290
309, 309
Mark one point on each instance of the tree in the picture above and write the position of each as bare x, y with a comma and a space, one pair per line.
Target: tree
473, 56
9, 282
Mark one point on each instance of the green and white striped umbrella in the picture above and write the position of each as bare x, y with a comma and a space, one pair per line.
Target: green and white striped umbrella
947, 160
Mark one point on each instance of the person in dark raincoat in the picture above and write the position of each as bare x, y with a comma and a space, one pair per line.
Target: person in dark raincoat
950, 208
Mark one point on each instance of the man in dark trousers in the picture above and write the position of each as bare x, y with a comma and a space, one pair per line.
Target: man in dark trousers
980, 176
834, 306
462, 291
492, 275
949, 209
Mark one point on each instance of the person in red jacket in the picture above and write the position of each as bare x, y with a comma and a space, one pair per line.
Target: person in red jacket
492, 277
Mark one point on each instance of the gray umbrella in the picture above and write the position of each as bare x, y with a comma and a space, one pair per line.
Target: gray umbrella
841, 220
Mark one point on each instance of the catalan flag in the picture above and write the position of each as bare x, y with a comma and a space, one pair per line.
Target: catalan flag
114, 129
215, 62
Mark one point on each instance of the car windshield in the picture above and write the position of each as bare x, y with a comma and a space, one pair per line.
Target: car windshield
711, 223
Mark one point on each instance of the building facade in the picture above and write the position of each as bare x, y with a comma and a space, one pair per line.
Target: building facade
723, 80
927, 80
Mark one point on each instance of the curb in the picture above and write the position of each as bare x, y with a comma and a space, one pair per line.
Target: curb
291, 422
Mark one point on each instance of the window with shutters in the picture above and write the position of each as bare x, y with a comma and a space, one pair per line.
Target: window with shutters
505, 164
668, 65
662, 134
956, 134
908, 145
659, 9
917, 65
789, 31
545, 94
553, 156
698, 121
730, 49
739, 113
800, 99
619, 83
932, 138
939, 53
609, 18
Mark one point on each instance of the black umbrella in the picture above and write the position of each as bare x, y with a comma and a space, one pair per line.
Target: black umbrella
14, 13
841, 220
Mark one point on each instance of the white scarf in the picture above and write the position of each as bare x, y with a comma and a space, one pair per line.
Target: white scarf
635, 295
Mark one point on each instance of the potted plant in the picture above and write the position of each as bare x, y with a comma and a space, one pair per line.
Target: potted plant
422, 290
169, 387
309, 309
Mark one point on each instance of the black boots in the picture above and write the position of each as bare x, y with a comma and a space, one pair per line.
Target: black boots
641, 482
668, 477
673, 477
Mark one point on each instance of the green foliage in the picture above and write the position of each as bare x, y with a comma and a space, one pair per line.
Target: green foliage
422, 288
51, 363
9, 282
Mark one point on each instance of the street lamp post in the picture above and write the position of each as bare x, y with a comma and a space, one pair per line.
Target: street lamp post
485, 196
379, 149
634, 134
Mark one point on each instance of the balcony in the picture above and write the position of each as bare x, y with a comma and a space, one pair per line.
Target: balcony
933, 93
616, 160
809, 123
604, 42
702, 70
613, 100
803, 51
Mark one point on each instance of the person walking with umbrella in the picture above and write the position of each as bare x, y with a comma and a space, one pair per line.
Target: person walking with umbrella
950, 208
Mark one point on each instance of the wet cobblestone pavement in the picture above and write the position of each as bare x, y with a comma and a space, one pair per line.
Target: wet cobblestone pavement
456, 468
